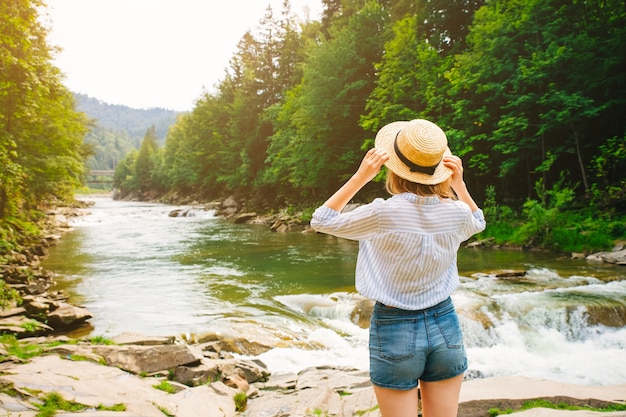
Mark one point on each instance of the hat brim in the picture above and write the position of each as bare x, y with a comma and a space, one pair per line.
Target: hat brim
385, 139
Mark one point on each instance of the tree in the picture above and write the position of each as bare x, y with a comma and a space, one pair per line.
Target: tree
42, 153
146, 161
317, 139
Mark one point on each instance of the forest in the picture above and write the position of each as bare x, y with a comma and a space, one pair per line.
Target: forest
530, 93
118, 129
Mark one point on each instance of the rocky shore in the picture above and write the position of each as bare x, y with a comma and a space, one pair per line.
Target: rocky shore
133, 375
213, 374
39, 311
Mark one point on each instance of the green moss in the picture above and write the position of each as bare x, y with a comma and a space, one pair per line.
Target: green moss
165, 386
21, 350
54, 402
542, 403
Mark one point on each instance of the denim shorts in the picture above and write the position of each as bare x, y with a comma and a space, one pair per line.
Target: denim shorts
407, 346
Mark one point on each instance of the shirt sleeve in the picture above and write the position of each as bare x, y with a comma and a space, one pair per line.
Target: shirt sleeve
359, 224
475, 224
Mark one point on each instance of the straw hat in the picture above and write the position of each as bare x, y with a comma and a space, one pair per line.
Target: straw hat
416, 149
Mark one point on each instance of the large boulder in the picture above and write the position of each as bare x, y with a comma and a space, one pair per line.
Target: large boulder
149, 359
615, 257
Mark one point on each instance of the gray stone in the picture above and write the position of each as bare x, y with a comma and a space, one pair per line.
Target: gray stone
148, 359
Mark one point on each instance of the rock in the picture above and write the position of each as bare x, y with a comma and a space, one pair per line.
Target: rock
148, 359
194, 376
68, 316
93, 385
236, 344
129, 338
237, 382
331, 391
508, 273
15, 311
175, 213
23, 326
75, 352
362, 313
480, 243
617, 257
243, 217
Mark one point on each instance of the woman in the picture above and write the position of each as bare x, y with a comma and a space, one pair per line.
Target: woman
407, 263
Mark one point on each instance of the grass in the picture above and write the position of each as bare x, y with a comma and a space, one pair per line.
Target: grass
20, 350
369, 410
541, 403
241, 401
165, 386
54, 402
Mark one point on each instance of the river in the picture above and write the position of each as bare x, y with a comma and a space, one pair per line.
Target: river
138, 270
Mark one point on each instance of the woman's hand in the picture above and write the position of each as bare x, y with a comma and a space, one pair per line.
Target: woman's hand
371, 164
456, 180
455, 164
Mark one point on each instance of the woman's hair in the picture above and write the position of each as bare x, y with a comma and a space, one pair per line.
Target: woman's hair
397, 185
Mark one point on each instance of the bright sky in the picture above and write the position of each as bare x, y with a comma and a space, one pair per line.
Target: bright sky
153, 53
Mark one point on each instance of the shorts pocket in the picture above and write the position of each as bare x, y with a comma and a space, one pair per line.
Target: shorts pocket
394, 338
450, 328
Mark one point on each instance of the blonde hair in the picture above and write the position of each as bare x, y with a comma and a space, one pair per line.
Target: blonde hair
398, 185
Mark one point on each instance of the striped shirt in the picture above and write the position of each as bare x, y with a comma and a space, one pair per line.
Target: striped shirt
407, 246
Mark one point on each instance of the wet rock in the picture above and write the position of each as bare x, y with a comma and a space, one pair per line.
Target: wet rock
68, 316
243, 217
508, 273
130, 338
615, 257
232, 343
362, 313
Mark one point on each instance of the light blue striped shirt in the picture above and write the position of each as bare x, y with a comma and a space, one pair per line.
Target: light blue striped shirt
407, 246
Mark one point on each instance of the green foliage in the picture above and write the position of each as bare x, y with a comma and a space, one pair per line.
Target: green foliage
166, 386
42, 154
101, 340
53, 402
541, 218
542, 403
241, 401
552, 223
528, 91
8, 296
31, 326
21, 350
114, 407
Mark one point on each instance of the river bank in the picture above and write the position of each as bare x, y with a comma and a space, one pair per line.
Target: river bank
309, 399
139, 376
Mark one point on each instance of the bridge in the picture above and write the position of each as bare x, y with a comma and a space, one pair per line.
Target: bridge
96, 176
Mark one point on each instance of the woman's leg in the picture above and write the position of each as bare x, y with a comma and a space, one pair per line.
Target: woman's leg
396, 403
441, 398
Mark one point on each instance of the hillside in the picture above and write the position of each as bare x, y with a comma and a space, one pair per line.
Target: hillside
119, 129
134, 122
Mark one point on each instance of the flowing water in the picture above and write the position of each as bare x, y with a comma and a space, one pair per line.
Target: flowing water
138, 270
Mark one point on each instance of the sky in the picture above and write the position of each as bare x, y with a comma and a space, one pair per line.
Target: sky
153, 53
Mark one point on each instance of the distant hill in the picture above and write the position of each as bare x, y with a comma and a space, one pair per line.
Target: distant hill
135, 122
120, 129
